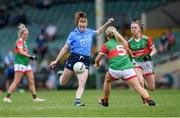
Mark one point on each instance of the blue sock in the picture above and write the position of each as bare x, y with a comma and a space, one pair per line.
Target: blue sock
77, 100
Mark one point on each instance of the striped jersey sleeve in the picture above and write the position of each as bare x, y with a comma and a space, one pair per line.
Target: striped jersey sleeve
104, 49
19, 44
150, 43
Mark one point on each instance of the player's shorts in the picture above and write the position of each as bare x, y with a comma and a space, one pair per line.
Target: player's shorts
147, 67
22, 68
125, 74
74, 57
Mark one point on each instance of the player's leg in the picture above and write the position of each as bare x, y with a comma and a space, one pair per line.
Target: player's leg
148, 74
68, 70
141, 91
106, 90
129, 75
107, 87
82, 78
133, 82
139, 73
150, 81
17, 78
31, 82
66, 75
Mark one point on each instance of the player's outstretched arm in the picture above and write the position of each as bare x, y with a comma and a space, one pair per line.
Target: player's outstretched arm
61, 53
103, 27
98, 59
120, 38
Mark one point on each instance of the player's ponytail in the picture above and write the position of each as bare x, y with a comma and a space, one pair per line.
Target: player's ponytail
112, 32
22, 28
79, 15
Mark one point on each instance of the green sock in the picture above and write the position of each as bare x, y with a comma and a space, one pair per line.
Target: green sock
34, 96
8, 95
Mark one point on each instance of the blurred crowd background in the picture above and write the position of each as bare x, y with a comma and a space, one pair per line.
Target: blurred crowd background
50, 22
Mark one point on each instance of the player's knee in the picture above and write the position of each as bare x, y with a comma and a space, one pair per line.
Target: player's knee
142, 84
151, 88
82, 84
31, 82
61, 82
108, 80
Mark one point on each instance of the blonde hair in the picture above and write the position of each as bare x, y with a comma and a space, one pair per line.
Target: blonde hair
112, 32
21, 28
79, 15
109, 31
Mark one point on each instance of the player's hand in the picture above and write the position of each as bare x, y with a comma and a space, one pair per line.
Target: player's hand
147, 58
110, 20
130, 53
97, 64
52, 64
33, 57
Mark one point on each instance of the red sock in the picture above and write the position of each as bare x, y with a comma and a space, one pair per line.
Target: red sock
105, 99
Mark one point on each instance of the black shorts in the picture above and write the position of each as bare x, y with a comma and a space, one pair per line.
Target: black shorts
74, 57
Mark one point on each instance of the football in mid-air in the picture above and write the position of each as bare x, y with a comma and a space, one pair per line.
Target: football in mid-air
79, 68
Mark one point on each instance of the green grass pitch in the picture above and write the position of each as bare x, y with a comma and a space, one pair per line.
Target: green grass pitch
122, 103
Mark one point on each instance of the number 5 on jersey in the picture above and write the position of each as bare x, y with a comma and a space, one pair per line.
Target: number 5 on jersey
121, 50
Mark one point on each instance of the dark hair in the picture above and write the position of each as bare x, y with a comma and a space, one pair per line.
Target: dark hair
79, 15
139, 22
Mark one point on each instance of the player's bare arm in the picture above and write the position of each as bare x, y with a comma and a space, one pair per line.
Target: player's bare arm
102, 28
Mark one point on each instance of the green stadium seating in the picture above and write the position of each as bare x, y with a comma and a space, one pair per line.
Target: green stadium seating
62, 15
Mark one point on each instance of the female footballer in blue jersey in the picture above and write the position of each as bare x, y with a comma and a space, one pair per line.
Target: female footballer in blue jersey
79, 42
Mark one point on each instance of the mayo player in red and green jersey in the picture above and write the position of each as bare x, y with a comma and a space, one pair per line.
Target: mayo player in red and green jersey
142, 49
22, 66
120, 66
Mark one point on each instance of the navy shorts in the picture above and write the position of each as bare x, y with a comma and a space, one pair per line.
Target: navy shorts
74, 57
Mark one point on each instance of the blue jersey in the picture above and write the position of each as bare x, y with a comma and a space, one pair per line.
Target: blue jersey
81, 42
